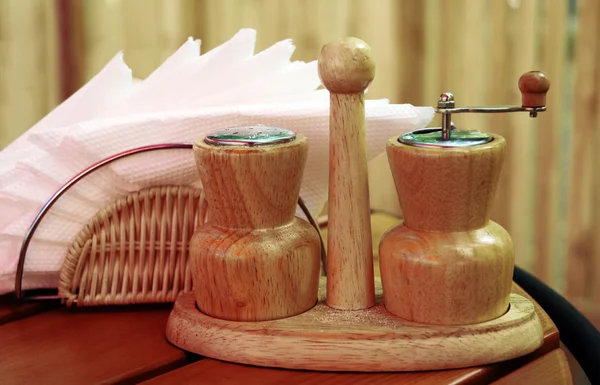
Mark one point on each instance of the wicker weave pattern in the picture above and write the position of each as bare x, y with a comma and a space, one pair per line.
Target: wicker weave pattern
135, 250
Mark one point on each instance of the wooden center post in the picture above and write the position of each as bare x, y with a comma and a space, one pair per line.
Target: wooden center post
346, 69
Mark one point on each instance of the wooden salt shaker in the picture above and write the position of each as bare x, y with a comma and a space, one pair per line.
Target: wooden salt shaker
447, 263
253, 260
346, 69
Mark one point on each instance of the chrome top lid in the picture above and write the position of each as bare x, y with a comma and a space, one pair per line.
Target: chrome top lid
256, 135
432, 137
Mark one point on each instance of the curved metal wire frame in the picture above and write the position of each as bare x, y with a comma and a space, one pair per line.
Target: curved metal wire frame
46, 208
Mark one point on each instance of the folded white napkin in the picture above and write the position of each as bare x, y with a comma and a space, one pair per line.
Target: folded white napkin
188, 95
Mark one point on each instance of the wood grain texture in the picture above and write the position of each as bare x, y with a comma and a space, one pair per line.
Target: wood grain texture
446, 189
551, 369
87, 347
252, 233
382, 222
447, 278
209, 371
13, 310
370, 340
346, 69
447, 263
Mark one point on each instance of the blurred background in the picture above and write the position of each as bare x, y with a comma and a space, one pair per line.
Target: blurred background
548, 198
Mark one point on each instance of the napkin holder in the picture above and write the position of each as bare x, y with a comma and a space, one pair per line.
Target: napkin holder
121, 256
133, 251
357, 324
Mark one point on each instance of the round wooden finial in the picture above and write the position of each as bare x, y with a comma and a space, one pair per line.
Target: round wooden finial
533, 86
346, 66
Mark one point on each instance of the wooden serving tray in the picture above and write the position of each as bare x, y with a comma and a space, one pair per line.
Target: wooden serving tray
369, 340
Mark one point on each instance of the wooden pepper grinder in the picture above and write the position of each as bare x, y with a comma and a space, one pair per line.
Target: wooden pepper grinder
447, 263
346, 69
253, 260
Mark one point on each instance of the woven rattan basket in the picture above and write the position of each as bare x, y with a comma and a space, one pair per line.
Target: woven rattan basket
135, 250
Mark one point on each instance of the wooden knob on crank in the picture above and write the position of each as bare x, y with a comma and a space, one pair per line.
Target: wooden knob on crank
533, 86
346, 69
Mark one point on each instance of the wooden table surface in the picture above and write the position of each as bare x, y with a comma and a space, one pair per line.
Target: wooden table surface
46, 344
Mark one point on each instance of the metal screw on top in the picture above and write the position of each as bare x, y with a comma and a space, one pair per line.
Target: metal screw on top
446, 101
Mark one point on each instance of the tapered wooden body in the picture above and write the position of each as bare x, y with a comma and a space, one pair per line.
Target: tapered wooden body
447, 263
254, 260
